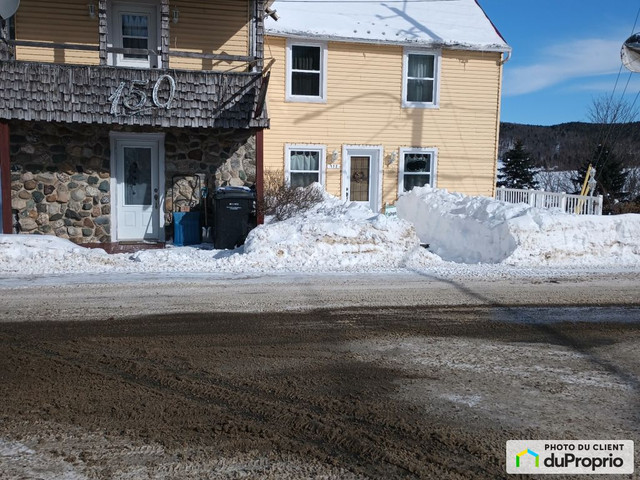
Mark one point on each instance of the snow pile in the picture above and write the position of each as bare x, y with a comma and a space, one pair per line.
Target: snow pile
338, 236
334, 235
482, 230
49, 254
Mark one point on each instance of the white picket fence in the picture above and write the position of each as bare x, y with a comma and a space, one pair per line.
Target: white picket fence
569, 203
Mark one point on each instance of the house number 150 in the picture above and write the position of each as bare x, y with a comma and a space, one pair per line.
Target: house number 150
134, 100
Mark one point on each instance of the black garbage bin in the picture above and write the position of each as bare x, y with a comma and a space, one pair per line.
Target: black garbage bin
234, 216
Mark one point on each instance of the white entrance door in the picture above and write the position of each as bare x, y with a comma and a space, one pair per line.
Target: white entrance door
362, 175
137, 160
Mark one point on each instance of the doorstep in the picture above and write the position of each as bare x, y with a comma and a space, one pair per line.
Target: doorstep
125, 247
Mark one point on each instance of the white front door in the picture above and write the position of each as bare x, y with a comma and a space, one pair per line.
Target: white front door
137, 166
362, 175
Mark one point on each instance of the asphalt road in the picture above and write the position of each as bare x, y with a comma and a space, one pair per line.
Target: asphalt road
350, 377
102, 297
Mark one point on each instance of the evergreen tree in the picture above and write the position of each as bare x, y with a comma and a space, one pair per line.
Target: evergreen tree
610, 176
517, 169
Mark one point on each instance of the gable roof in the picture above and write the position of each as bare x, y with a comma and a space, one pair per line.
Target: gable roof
432, 23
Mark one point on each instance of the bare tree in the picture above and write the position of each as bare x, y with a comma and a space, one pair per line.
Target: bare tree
606, 110
616, 120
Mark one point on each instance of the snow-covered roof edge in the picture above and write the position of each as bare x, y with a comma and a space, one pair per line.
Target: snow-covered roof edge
459, 24
493, 25
302, 35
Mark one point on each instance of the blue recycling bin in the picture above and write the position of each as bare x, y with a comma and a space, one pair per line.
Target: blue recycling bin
186, 228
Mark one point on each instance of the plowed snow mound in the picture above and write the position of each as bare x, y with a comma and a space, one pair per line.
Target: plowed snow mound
468, 229
334, 235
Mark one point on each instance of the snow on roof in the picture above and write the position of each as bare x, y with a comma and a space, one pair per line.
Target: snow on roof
435, 23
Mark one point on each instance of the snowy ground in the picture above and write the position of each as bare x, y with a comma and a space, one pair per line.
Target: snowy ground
467, 236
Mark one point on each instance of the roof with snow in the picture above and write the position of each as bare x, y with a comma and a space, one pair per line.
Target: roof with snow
435, 23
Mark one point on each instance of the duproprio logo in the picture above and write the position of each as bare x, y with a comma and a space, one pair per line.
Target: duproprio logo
530, 452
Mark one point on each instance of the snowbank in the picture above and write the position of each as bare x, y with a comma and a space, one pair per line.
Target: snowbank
334, 236
467, 229
338, 236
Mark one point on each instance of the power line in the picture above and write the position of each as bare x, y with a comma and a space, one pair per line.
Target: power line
610, 103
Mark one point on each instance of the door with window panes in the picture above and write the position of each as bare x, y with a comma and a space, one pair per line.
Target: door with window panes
138, 197
134, 26
361, 176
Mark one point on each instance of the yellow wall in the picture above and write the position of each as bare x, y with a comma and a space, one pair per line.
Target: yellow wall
205, 27
364, 106
65, 21
210, 27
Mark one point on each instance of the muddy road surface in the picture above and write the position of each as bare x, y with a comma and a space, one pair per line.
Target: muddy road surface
340, 393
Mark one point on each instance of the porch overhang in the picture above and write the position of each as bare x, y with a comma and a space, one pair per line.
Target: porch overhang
129, 96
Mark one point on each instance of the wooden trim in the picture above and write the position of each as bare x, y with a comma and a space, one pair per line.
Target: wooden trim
259, 35
5, 175
260, 173
164, 33
102, 31
5, 51
213, 56
135, 51
64, 46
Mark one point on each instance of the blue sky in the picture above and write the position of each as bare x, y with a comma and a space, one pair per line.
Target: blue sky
565, 53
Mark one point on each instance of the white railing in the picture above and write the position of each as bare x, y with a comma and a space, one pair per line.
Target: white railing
568, 203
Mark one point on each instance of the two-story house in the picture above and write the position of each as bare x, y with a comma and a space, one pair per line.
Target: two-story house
112, 109
372, 98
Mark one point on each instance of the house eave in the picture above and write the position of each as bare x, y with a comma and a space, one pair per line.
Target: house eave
403, 43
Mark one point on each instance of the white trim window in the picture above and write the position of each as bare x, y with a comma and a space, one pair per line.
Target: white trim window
306, 71
420, 79
417, 168
304, 164
134, 25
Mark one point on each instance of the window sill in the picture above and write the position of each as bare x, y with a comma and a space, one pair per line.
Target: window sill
431, 106
303, 99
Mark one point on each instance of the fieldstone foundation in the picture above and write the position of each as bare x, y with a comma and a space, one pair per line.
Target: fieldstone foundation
61, 179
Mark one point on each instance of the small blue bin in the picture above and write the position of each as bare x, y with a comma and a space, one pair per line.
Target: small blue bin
186, 228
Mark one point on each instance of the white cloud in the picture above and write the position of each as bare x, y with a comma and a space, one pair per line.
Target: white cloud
563, 62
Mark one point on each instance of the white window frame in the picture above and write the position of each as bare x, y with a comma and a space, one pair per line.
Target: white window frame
434, 166
322, 149
322, 97
436, 80
149, 7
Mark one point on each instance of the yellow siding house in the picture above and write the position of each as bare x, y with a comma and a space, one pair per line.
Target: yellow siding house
373, 98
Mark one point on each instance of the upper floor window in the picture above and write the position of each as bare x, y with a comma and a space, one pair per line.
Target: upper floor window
306, 72
134, 26
420, 79
304, 165
417, 168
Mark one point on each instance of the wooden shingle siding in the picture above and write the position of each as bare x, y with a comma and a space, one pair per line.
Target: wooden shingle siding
65, 21
80, 94
364, 107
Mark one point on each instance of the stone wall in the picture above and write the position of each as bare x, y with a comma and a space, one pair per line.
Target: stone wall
61, 179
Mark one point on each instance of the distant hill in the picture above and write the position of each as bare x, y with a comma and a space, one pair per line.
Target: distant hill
566, 146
